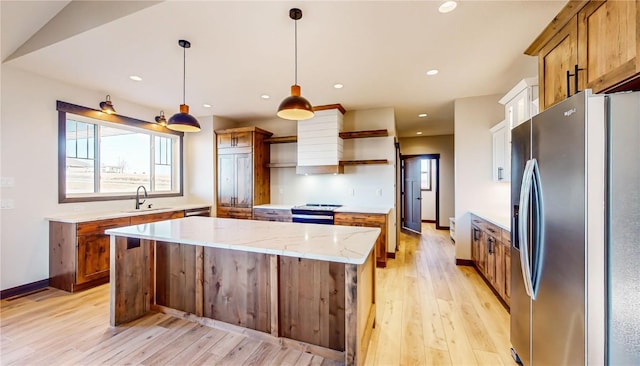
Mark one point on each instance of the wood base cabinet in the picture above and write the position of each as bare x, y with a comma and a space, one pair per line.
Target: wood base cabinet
272, 214
368, 220
79, 252
491, 255
598, 40
242, 172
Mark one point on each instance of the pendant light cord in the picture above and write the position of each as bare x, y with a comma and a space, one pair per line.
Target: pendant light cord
184, 74
295, 27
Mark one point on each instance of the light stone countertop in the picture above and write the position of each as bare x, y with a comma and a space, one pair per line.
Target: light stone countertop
343, 244
270, 206
499, 219
364, 210
352, 209
77, 217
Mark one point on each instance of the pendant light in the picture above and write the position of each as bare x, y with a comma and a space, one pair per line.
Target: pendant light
107, 106
161, 120
183, 121
295, 107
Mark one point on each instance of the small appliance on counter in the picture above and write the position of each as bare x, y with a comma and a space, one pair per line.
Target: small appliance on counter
314, 213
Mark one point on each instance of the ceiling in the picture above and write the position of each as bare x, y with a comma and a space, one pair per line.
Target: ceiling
240, 50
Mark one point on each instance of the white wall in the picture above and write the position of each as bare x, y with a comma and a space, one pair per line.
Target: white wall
428, 198
360, 185
29, 155
443, 145
474, 186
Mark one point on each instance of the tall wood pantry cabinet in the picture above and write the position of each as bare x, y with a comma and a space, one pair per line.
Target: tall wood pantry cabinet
242, 172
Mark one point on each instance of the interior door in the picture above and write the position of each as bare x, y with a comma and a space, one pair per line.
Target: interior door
412, 194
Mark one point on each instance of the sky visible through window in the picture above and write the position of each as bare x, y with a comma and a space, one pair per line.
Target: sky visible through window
125, 159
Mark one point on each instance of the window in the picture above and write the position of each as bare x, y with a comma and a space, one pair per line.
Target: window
425, 174
107, 157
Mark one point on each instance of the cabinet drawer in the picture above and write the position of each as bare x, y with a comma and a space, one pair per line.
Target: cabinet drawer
143, 219
362, 219
99, 226
493, 230
478, 222
234, 212
271, 214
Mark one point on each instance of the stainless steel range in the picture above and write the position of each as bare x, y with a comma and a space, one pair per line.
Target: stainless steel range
314, 213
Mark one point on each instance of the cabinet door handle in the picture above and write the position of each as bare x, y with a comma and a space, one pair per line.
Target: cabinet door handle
500, 173
575, 80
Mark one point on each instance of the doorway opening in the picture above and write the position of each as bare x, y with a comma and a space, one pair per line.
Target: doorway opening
420, 199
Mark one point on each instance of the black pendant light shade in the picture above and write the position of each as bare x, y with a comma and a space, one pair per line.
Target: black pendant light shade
161, 120
183, 121
295, 107
107, 106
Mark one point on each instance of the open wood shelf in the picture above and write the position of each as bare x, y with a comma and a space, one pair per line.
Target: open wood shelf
343, 135
282, 165
363, 134
281, 139
364, 162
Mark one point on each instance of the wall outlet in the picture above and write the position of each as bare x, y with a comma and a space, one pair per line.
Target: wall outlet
6, 182
7, 204
352, 192
281, 190
379, 192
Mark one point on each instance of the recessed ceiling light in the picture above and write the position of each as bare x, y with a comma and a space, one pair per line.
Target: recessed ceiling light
447, 6
135, 78
206, 105
422, 115
432, 72
338, 86
265, 96
418, 133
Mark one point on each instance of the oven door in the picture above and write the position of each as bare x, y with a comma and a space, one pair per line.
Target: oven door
312, 217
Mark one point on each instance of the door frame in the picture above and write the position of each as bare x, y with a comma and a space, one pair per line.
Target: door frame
435, 157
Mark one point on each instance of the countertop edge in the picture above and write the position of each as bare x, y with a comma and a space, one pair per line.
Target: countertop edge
79, 217
344, 209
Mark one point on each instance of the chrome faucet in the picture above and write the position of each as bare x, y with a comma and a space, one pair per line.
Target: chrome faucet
138, 202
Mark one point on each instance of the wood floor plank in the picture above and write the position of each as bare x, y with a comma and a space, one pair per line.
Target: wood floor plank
198, 348
288, 357
412, 348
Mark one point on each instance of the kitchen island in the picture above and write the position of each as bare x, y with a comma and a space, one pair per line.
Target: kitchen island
306, 286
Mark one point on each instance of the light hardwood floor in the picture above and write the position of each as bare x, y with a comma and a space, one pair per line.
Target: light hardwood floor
430, 312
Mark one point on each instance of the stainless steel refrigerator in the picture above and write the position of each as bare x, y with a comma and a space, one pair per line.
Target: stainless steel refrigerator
575, 218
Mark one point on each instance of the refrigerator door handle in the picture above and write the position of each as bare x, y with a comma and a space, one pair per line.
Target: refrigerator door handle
525, 192
538, 231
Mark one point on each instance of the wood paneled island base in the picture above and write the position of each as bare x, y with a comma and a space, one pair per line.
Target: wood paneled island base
304, 286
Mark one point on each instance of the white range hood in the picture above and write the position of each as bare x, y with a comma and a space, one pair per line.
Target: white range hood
319, 143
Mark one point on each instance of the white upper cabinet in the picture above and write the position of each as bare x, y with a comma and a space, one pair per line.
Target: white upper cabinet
521, 102
501, 152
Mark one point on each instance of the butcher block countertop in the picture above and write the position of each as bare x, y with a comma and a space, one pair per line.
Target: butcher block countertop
342, 244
